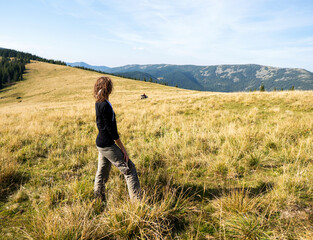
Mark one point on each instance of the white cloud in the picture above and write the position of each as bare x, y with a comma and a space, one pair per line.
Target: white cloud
139, 48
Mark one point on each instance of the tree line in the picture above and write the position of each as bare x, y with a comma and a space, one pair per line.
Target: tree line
12, 65
10, 53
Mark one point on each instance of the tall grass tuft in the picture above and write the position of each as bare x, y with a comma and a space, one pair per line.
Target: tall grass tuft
242, 216
75, 221
145, 219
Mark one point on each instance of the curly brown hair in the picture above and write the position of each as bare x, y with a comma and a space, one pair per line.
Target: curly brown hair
102, 89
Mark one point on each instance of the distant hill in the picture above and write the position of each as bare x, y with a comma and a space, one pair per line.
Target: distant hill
85, 65
221, 78
182, 79
136, 75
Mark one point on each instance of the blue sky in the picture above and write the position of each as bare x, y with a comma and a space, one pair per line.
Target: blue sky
201, 32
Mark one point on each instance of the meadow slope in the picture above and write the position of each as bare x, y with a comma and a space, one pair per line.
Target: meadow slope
212, 165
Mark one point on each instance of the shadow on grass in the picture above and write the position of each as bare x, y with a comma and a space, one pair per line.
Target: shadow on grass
197, 192
7, 86
12, 183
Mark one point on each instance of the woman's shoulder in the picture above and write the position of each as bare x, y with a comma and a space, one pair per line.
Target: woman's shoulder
103, 105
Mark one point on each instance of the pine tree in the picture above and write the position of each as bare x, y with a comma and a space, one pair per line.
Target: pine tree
5, 76
15, 76
1, 85
262, 88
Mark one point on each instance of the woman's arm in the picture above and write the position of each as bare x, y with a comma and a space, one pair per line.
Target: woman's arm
121, 146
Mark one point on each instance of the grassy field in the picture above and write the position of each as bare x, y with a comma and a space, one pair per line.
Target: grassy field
212, 165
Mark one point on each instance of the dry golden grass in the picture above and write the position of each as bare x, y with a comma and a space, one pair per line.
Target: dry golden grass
212, 165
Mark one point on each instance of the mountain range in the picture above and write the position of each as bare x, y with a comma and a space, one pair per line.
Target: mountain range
85, 65
221, 78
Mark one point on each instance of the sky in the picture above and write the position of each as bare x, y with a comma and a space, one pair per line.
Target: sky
114, 33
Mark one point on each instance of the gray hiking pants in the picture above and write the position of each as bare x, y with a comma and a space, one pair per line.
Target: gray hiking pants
113, 155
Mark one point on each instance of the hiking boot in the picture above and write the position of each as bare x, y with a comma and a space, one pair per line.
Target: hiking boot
100, 195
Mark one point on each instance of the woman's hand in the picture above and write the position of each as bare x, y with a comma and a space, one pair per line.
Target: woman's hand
126, 158
121, 146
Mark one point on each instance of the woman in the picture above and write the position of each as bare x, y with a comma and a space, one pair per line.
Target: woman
110, 147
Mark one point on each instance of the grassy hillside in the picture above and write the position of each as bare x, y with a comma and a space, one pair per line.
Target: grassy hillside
212, 165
